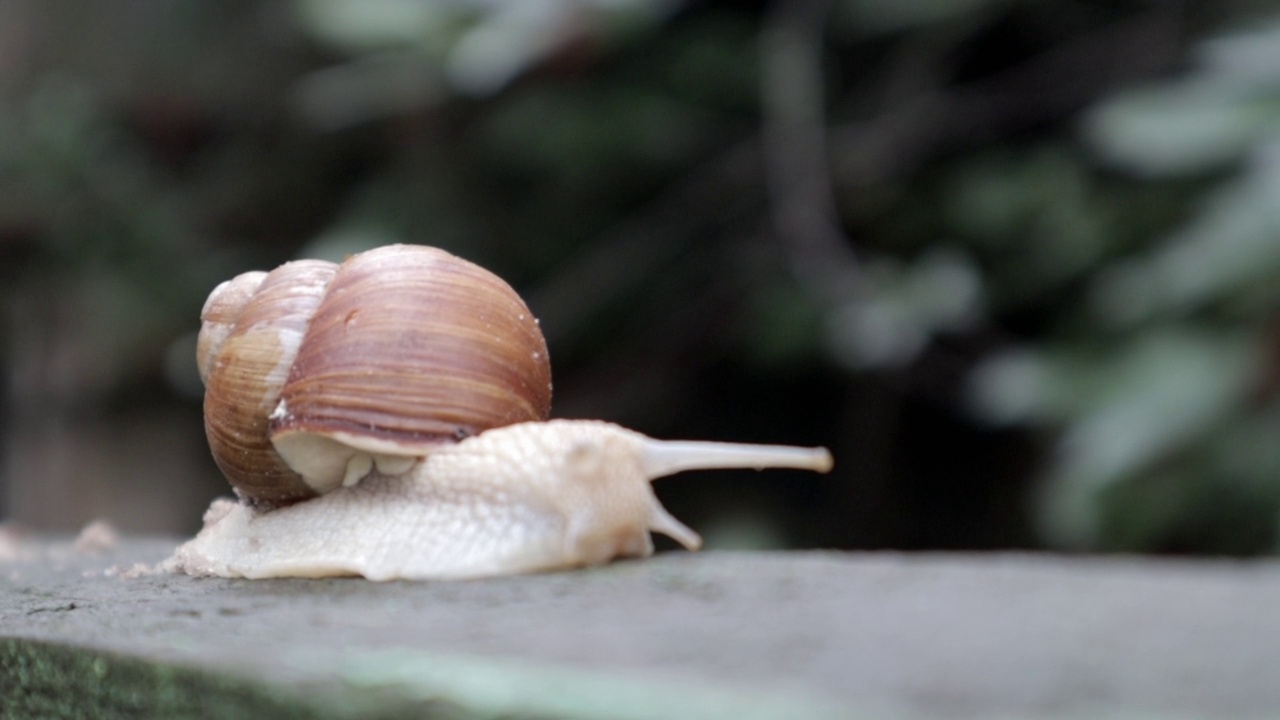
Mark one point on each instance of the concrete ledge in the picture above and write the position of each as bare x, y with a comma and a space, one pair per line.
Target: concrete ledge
681, 635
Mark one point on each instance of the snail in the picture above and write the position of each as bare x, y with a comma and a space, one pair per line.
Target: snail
388, 417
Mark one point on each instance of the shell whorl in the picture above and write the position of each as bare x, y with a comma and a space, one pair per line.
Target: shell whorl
248, 367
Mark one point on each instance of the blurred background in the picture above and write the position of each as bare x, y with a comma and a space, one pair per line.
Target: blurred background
1017, 262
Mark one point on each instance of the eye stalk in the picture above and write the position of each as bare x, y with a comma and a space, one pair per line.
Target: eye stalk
660, 458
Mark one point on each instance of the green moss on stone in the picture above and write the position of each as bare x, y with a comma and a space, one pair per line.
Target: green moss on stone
46, 680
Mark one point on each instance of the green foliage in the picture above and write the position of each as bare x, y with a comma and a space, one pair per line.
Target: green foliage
1159, 410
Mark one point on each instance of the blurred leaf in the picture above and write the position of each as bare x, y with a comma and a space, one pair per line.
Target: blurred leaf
482, 45
1169, 387
1163, 389
1037, 215
905, 307
371, 87
1010, 387
1249, 56
507, 40
1201, 122
1234, 241
1182, 127
359, 25
1188, 511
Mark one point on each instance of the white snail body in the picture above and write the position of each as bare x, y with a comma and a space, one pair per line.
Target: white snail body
386, 418
522, 498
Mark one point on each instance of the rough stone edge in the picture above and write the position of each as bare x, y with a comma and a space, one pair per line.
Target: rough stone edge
44, 679
41, 679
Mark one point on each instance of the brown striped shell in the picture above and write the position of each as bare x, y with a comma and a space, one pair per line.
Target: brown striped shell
315, 373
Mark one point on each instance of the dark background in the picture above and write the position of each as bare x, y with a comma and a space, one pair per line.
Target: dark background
1014, 261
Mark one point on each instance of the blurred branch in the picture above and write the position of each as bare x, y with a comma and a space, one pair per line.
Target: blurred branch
795, 148
628, 256
1045, 88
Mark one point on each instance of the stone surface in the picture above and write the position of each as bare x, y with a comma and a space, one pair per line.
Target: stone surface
680, 635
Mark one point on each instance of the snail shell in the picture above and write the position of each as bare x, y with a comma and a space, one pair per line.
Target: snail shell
316, 373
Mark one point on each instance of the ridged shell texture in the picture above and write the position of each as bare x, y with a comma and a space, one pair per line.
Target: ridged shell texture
391, 353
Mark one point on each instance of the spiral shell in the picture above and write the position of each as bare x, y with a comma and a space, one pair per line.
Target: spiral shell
315, 373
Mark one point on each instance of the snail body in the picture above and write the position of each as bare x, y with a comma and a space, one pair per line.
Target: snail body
387, 418
521, 498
